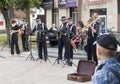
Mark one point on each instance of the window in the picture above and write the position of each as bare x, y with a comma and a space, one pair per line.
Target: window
56, 17
74, 15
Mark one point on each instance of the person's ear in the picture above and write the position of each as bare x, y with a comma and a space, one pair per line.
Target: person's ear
98, 51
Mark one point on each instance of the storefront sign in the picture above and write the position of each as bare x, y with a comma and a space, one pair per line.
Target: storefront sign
94, 2
67, 3
48, 4
72, 3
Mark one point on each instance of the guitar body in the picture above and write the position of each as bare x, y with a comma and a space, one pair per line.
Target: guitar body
21, 32
76, 41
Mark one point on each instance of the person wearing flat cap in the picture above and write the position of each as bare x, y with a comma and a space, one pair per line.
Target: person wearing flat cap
63, 39
108, 72
72, 29
41, 29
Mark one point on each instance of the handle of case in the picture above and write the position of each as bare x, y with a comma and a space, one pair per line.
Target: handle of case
74, 78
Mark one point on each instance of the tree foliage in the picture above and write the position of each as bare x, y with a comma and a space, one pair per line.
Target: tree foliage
7, 6
27, 4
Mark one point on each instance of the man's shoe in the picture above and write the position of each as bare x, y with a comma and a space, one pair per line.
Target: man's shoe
70, 64
40, 57
45, 59
58, 60
27, 50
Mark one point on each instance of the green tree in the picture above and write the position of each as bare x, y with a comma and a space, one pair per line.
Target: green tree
26, 5
7, 9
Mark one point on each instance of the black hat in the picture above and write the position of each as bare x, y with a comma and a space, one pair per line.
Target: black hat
108, 41
38, 19
24, 19
63, 18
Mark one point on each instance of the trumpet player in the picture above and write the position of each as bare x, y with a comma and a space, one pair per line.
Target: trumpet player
93, 32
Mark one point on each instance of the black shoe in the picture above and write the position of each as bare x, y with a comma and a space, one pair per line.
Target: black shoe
27, 50
59, 58
45, 59
70, 64
40, 57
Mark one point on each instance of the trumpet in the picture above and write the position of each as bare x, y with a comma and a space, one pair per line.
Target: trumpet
91, 21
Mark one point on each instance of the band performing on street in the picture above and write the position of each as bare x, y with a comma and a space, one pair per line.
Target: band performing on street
43, 41
67, 37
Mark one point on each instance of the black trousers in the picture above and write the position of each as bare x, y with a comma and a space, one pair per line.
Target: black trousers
71, 52
14, 43
25, 43
42, 47
63, 42
91, 50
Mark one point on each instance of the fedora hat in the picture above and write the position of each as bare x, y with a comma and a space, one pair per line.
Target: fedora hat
63, 18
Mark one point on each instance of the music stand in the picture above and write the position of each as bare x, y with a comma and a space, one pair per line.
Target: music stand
57, 60
30, 46
4, 45
45, 60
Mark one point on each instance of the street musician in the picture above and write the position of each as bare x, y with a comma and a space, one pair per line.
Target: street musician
63, 39
14, 38
25, 35
93, 32
72, 33
41, 29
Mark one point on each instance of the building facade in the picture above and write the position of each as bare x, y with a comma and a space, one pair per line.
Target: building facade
107, 10
36, 13
55, 9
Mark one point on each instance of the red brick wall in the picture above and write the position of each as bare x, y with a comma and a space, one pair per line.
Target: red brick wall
79, 9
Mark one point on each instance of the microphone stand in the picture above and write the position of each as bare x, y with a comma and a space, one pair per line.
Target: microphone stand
4, 45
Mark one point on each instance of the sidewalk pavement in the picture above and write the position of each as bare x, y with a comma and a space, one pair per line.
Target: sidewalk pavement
16, 70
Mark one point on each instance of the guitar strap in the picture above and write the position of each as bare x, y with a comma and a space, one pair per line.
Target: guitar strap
71, 27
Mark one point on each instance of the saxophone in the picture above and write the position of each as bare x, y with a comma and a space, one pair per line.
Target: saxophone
58, 36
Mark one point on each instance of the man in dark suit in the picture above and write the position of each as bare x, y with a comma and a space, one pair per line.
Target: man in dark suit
25, 34
72, 32
63, 40
93, 33
41, 29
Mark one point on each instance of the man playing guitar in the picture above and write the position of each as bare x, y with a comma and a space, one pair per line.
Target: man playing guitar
24, 35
